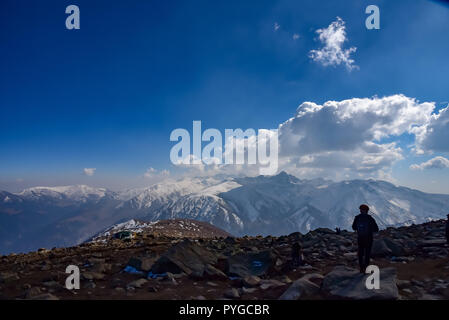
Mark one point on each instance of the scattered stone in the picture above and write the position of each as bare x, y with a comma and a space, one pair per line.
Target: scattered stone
403, 284
245, 290
89, 285
52, 284
93, 276
32, 292
302, 288
137, 283
272, 283
45, 296
212, 284
251, 281
152, 289
210, 272
232, 293
8, 277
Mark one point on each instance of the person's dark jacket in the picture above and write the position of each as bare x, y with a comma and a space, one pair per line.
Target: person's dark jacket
447, 229
367, 220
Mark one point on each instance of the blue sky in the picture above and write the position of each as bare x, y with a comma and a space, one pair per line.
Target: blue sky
108, 95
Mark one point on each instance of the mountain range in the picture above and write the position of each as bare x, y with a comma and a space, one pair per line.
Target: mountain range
281, 204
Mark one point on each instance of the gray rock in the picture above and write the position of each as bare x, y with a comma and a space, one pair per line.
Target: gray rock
251, 281
380, 248
245, 290
32, 292
187, 257
137, 283
45, 296
403, 283
302, 288
143, 263
396, 248
232, 293
8, 277
52, 284
93, 275
272, 283
347, 283
89, 285
433, 243
211, 272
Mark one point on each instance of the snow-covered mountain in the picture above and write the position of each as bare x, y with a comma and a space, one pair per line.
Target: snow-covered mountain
80, 193
281, 204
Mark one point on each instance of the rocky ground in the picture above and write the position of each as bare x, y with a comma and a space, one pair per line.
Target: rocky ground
413, 264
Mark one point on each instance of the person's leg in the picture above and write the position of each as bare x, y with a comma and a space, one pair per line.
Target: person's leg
368, 247
360, 253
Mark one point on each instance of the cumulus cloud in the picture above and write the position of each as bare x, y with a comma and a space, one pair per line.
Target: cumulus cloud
295, 36
89, 171
434, 137
346, 139
435, 163
240, 154
332, 54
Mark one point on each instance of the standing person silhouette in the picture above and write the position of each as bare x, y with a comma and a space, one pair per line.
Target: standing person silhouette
365, 225
447, 230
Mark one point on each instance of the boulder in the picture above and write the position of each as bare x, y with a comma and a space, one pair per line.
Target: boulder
212, 273
302, 288
380, 248
250, 264
396, 248
185, 256
346, 283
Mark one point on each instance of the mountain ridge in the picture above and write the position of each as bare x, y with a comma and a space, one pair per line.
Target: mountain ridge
266, 205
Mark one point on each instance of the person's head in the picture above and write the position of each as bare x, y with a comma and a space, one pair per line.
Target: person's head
364, 209
447, 216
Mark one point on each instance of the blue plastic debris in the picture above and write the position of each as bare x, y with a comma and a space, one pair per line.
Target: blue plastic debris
257, 264
129, 269
156, 275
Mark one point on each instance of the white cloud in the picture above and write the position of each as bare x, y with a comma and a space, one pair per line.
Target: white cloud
89, 171
153, 173
332, 53
343, 139
435, 135
435, 163
295, 36
276, 26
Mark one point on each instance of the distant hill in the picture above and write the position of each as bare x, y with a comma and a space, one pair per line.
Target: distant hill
177, 228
